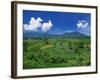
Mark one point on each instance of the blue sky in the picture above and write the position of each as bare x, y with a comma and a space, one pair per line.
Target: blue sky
56, 22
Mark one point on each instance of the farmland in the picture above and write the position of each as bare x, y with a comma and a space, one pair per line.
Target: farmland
56, 52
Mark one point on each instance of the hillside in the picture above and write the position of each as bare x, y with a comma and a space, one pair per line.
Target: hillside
31, 34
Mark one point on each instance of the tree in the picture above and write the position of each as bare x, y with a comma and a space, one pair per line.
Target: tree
46, 41
70, 45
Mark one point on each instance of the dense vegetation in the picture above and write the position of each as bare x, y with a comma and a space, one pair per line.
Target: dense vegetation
56, 52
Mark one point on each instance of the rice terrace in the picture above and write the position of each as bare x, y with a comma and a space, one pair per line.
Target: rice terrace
56, 39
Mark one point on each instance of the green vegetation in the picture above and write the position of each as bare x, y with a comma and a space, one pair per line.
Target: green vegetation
56, 52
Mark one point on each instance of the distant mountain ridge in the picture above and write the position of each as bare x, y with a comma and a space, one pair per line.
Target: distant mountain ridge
31, 34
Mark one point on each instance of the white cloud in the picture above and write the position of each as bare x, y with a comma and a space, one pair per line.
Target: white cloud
34, 24
83, 27
82, 24
47, 26
39, 19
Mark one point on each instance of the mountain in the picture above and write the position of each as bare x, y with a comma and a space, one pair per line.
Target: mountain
74, 34
30, 34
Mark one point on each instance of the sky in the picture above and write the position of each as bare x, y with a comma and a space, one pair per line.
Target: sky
56, 22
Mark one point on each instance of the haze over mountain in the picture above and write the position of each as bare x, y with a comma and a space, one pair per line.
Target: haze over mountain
31, 34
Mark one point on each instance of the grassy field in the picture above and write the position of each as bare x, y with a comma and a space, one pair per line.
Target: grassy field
56, 52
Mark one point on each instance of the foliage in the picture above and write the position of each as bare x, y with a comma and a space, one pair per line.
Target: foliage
56, 52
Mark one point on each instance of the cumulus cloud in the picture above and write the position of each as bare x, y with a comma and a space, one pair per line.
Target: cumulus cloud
83, 27
34, 24
82, 24
47, 26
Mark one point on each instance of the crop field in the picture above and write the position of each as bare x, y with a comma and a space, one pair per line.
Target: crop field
56, 52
